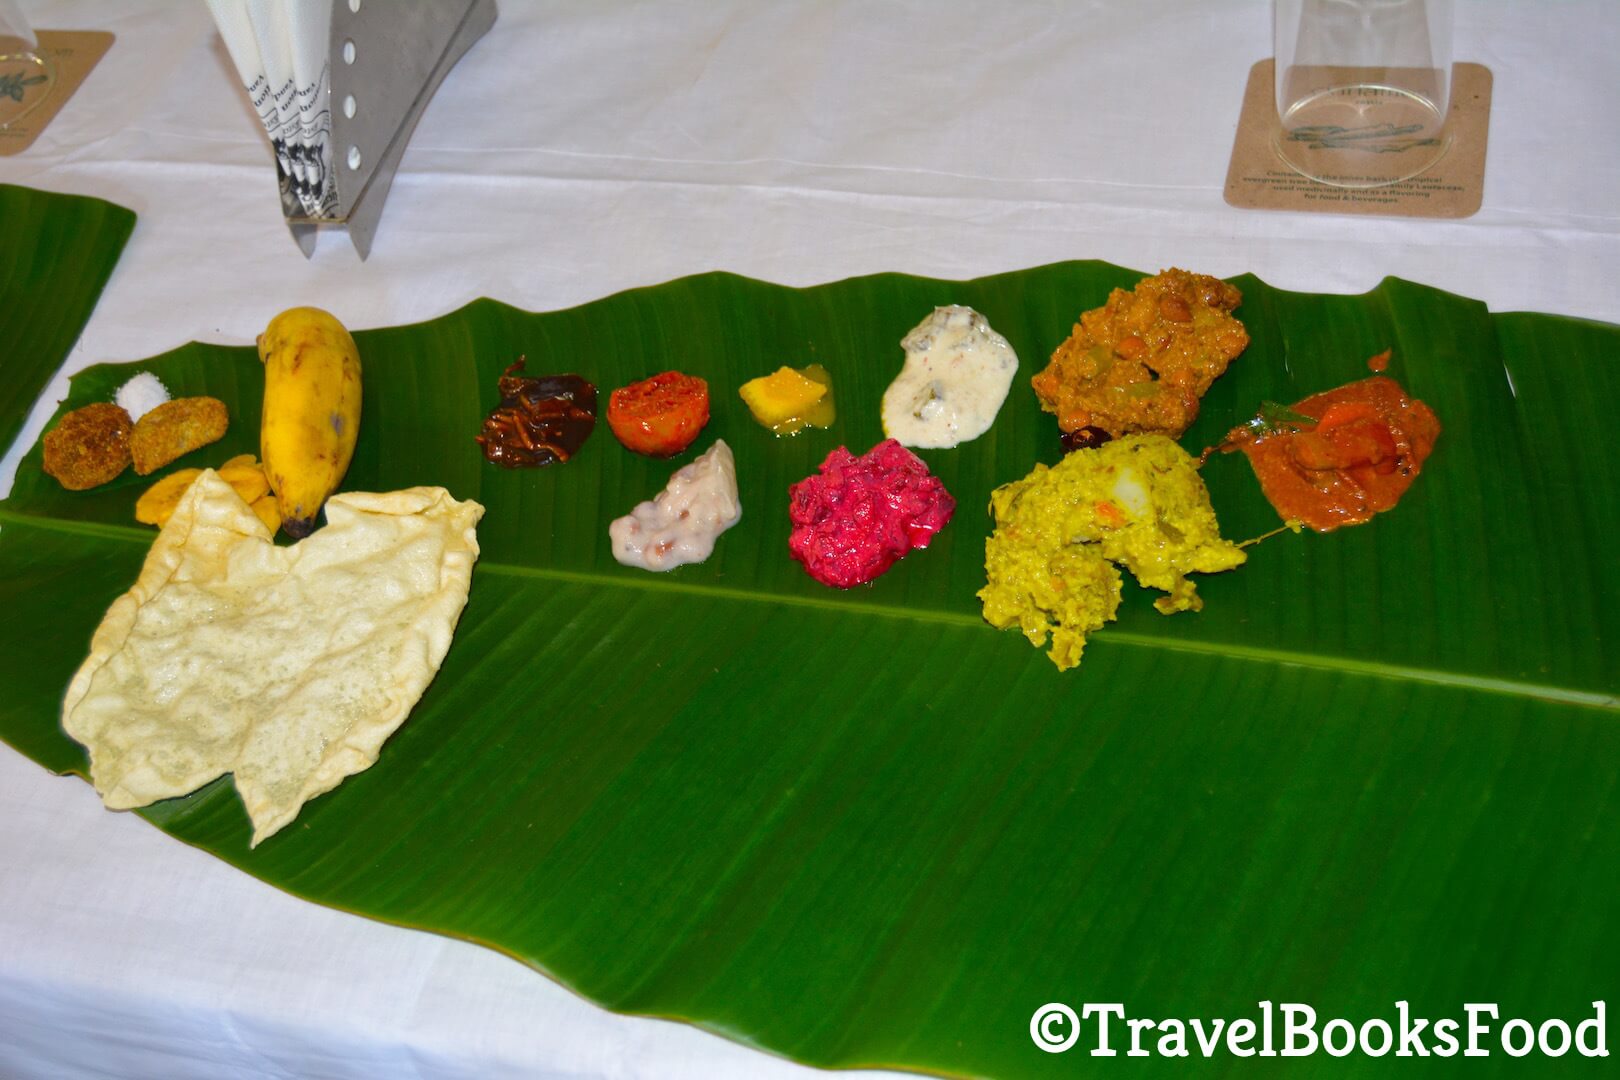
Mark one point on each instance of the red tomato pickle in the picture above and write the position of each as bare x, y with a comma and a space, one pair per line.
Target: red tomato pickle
859, 515
659, 416
1339, 457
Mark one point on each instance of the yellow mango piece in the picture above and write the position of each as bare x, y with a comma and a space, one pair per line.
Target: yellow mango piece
269, 513
158, 501
239, 459
781, 396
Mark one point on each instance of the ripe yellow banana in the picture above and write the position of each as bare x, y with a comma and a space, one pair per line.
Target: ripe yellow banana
311, 411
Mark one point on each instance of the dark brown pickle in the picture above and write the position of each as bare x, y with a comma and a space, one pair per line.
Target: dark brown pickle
1086, 438
539, 420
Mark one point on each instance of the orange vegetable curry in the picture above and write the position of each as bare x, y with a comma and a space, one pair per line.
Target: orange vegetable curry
1339, 457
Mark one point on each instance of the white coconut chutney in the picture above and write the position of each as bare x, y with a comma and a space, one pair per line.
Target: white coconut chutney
957, 374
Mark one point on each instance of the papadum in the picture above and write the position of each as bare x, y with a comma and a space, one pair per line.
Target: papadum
285, 666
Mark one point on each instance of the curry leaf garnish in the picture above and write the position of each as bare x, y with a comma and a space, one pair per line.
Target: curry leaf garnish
1275, 419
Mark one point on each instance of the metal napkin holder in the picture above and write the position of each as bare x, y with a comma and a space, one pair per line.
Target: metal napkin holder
386, 62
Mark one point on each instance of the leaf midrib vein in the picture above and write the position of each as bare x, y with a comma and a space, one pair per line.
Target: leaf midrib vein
1249, 653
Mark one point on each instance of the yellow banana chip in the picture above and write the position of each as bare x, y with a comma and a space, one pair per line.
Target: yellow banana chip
248, 481
269, 513
243, 472
158, 501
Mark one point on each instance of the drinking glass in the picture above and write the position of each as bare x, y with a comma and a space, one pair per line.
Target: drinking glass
27, 73
1363, 88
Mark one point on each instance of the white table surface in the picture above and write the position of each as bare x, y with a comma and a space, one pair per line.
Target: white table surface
585, 147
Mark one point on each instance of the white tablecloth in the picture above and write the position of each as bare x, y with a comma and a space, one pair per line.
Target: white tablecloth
585, 147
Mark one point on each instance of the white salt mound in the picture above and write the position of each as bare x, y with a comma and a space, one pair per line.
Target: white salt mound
141, 395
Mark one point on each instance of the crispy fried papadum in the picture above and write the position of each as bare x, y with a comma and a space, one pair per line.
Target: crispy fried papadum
286, 666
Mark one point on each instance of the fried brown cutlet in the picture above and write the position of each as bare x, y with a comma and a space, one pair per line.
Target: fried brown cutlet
89, 446
175, 428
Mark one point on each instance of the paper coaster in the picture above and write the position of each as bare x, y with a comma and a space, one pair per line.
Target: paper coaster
1452, 188
75, 53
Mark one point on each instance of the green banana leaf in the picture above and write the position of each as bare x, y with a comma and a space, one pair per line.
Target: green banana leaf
56, 255
864, 828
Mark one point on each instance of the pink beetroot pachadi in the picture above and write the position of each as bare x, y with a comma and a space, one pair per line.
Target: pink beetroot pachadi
858, 515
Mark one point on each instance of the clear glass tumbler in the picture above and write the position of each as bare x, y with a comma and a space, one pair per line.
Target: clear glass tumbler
1363, 88
27, 73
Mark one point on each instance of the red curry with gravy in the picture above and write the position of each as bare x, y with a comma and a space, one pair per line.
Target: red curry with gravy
1353, 453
